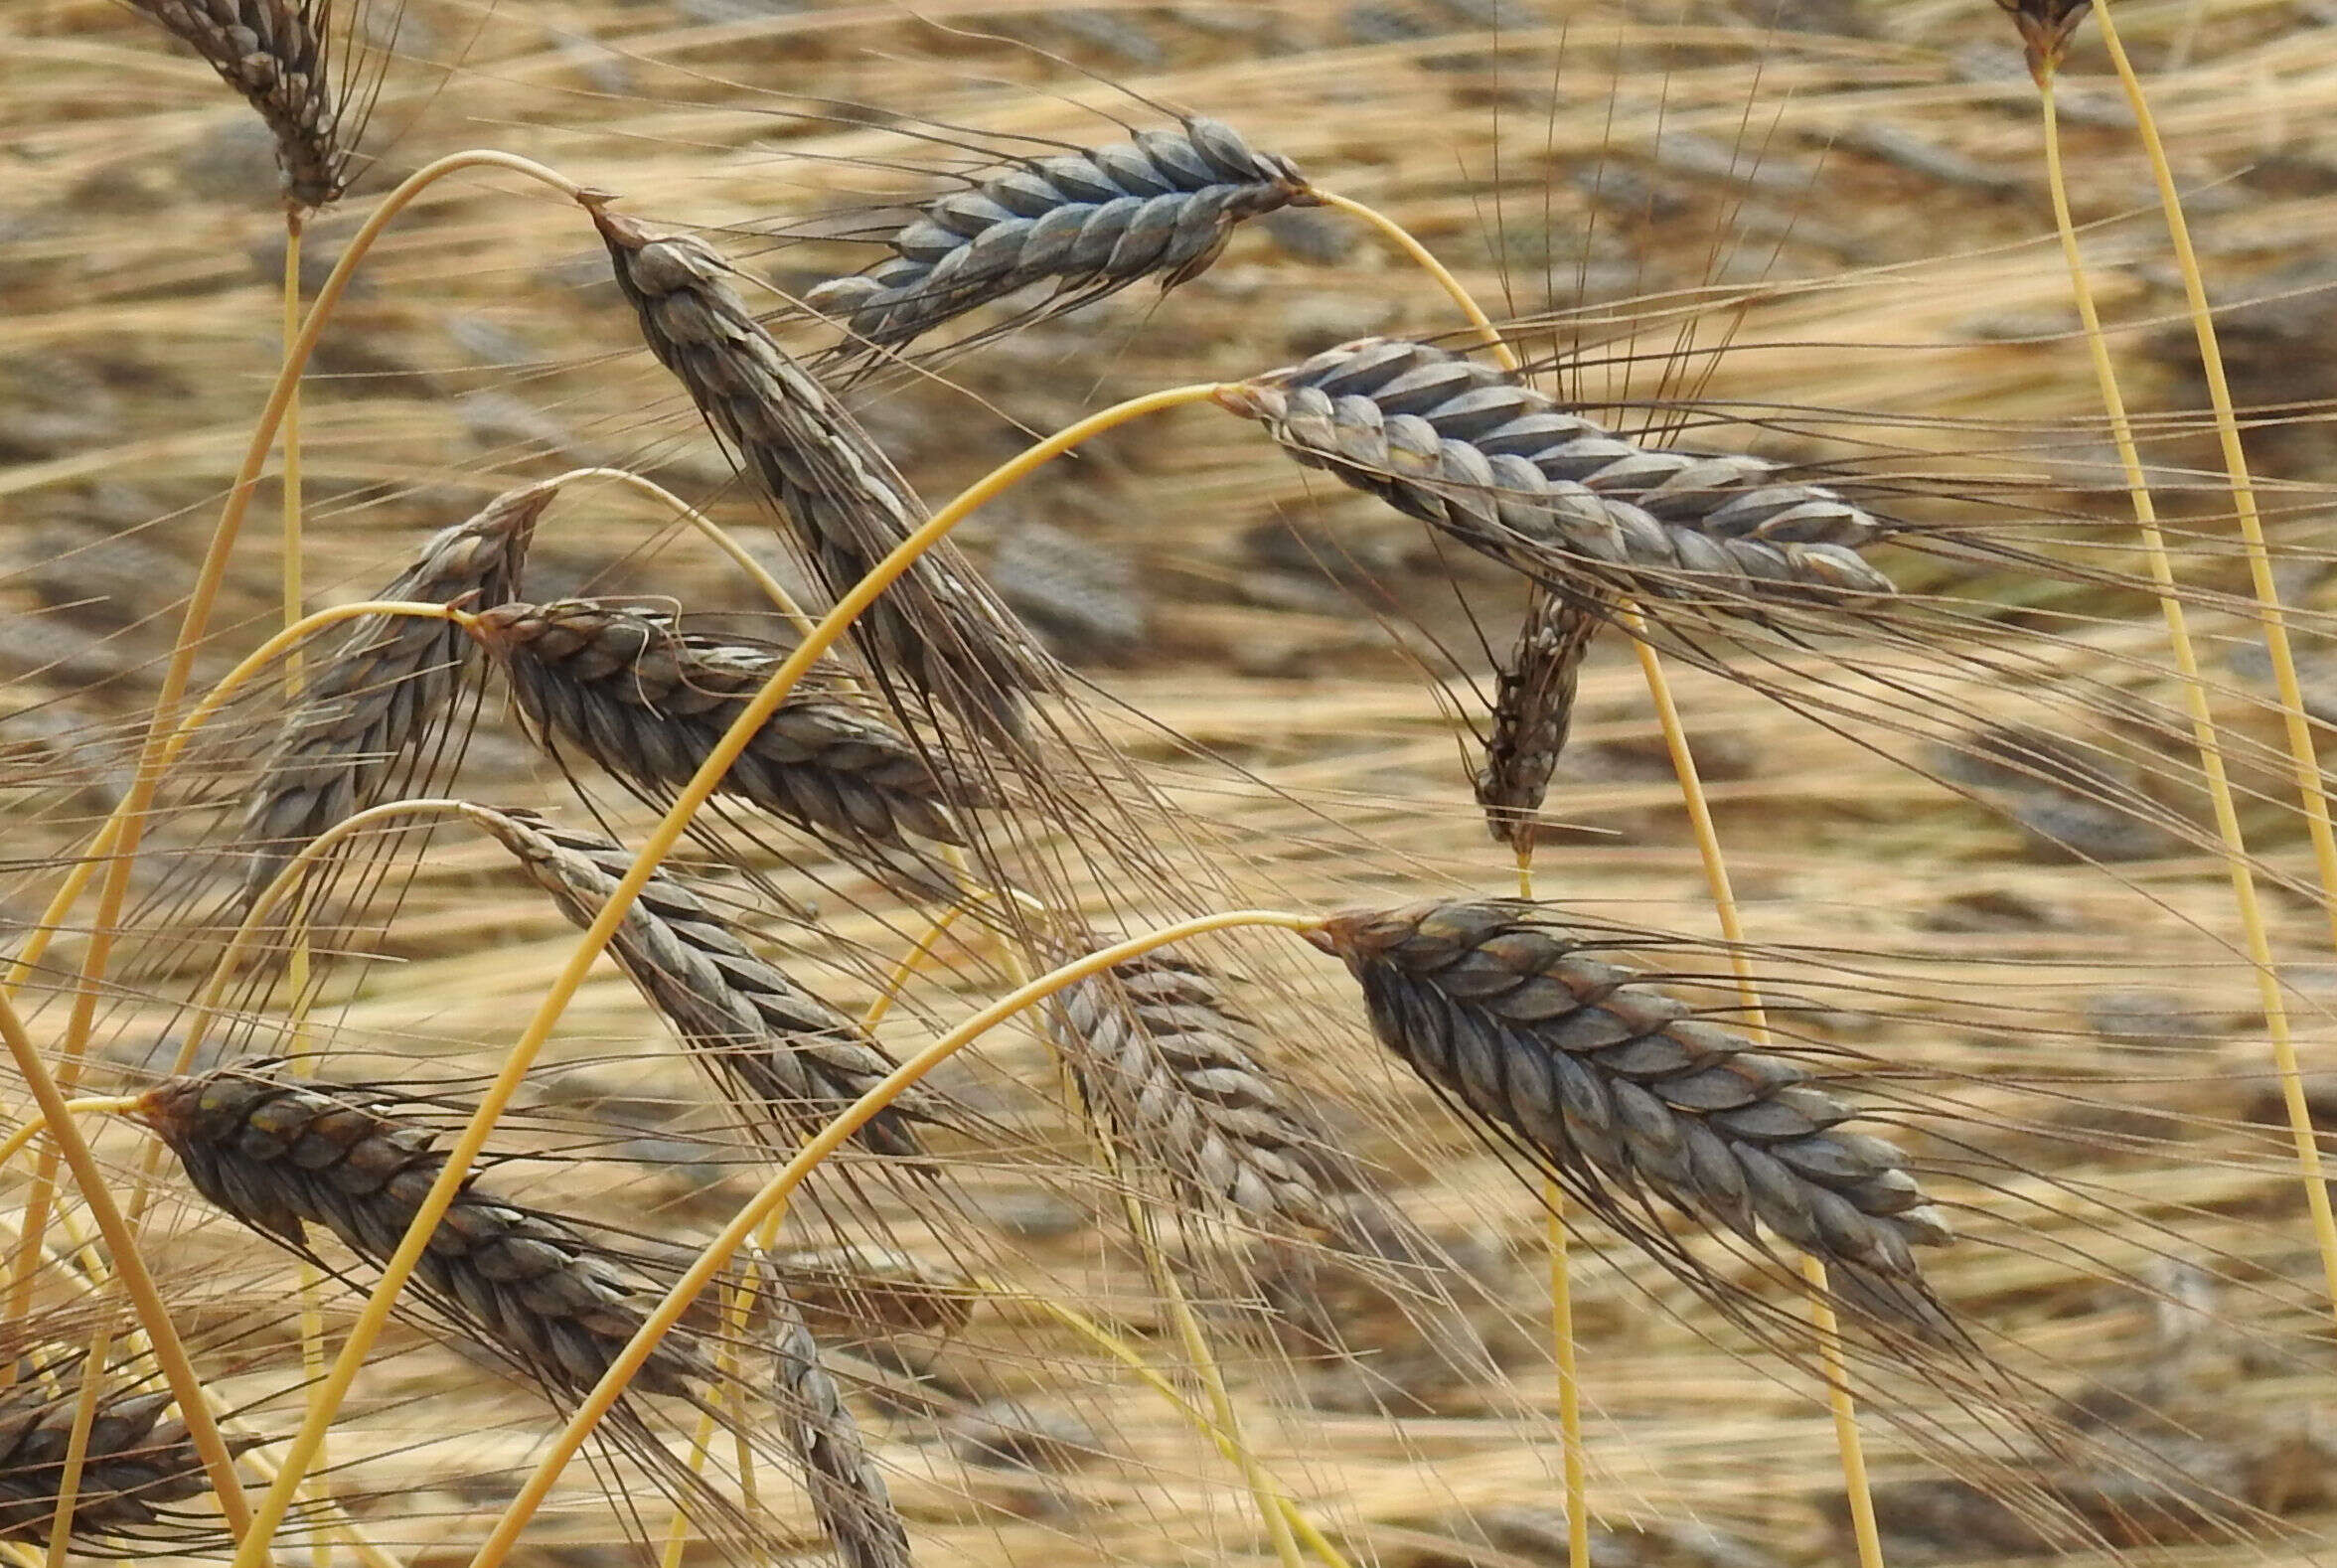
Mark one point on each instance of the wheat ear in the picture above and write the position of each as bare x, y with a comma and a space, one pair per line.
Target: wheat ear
273, 53
1534, 708
134, 1465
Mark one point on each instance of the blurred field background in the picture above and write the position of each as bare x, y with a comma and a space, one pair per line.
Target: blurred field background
1816, 229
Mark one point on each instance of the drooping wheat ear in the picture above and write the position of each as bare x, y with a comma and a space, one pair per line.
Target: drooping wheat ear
939, 630
1617, 1085
373, 703
1091, 222
1534, 708
740, 1017
278, 1155
648, 701
847, 1489
1508, 471
1155, 1042
276, 54
137, 1463
2046, 28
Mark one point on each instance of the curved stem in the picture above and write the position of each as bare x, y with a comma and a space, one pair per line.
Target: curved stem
1426, 261
717, 1253
137, 1282
14, 1144
2303, 1136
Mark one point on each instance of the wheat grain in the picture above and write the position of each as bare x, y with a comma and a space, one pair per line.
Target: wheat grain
648, 702
1534, 708
275, 53
1611, 1080
938, 629
848, 1491
740, 1017
137, 1463
1507, 471
1091, 222
373, 702
1155, 1042
280, 1155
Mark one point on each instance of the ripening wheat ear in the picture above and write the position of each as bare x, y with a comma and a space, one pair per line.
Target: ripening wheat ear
277, 54
1155, 1043
1534, 708
280, 1155
848, 1491
938, 631
1091, 222
798, 1059
1615, 1085
647, 701
136, 1465
371, 705
1508, 472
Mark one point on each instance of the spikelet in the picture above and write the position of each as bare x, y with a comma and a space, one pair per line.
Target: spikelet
1616, 1084
371, 704
280, 1155
137, 1463
276, 55
847, 1489
1534, 708
648, 702
743, 1019
1504, 469
939, 632
1155, 1042
1090, 222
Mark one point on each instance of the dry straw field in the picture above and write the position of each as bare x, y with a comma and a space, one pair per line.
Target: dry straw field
796, 781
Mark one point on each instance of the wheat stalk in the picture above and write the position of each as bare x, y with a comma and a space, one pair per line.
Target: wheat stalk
647, 701
751, 1027
1090, 222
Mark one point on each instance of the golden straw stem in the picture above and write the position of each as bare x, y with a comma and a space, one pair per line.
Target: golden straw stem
716, 1254
1845, 1411
1426, 259
2303, 1135
76, 1445
714, 532
137, 1283
15, 1143
1573, 1455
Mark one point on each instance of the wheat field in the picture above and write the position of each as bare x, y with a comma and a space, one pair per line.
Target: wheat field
1386, 1217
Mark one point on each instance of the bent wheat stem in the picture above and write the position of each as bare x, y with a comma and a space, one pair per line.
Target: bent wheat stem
1403, 239
137, 1282
714, 533
716, 1254
2253, 932
14, 1144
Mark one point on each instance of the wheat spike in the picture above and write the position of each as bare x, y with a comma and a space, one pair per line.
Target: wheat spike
1618, 1085
137, 1463
938, 630
741, 1016
1155, 1042
371, 702
648, 702
1534, 708
848, 1491
1507, 471
1091, 222
2046, 28
279, 1155
276, 54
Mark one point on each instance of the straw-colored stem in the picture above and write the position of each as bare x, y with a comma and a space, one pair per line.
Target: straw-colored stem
2301, 751
14, 1144
716, 1254
76, 1445
2253, 932
137, 1283
1572, 1457
1845, 1412
1756, 1020
1426, 259
918, 952
714, 532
